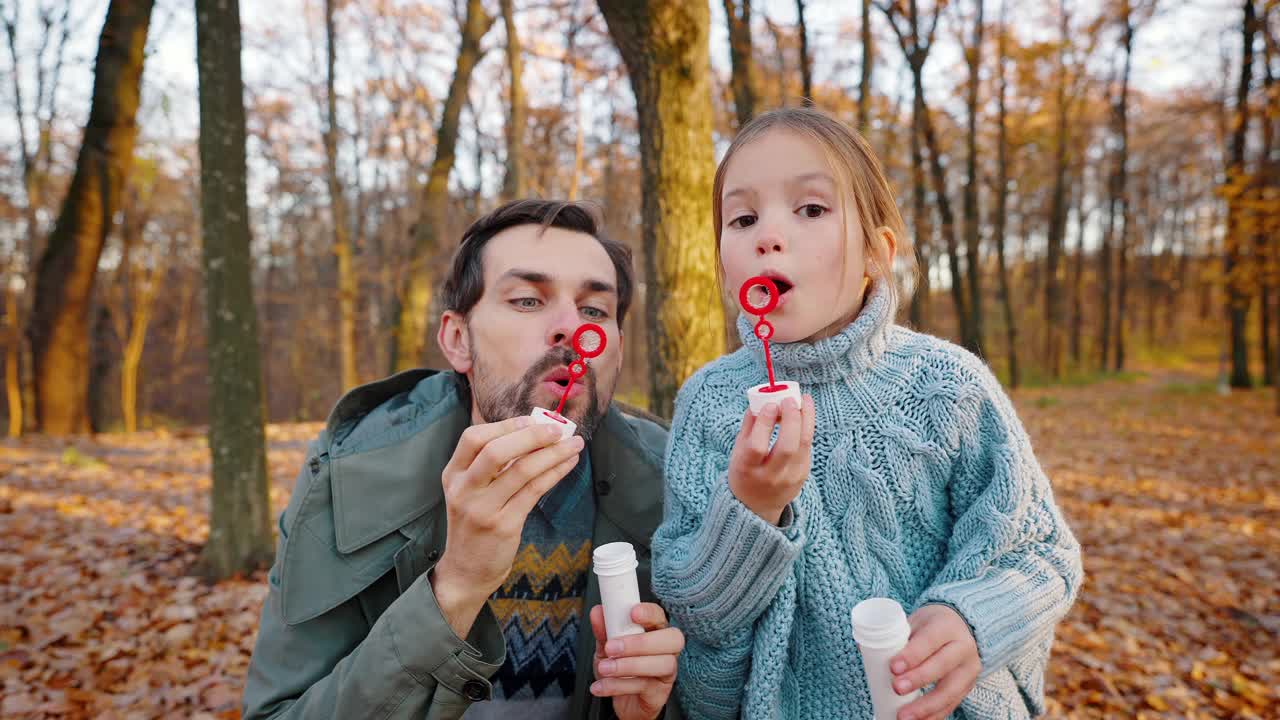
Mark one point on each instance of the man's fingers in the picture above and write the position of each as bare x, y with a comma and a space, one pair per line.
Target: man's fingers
527, 496
501, 450
668, 641
661, 667
475, 438
940, 701
597, 629
596, 617
533, 465
936, 666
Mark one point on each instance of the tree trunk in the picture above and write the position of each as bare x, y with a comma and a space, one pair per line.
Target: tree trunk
916, 51
1077, 274
35, 183
742, 59
131, 359
178, 350
342, 248
67, 271
938, 174
1002, 210
1122, 286
12, 361
135, 291
1057, 212
240, 534
972, 234
1117, 203
579, 147
1152, 272
780, 58
101, 360
864, 83
921, 225
514, 184
1237, 299
1266, 249
806, 62
664, 44
415, 297
1181, 262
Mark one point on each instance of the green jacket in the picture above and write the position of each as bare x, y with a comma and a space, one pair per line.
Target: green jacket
351, 628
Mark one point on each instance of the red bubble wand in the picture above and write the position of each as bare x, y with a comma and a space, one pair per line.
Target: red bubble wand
759, 296
589, 341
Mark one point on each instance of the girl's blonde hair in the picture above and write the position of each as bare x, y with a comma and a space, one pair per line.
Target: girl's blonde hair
857, 172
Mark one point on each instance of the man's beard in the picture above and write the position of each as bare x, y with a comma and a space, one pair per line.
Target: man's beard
497, 402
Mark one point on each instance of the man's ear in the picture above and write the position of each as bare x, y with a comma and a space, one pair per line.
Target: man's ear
455, 341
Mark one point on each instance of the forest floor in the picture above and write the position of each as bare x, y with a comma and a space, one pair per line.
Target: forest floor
1172, 489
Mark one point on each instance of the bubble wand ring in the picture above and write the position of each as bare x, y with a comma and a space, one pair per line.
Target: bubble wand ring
759, 296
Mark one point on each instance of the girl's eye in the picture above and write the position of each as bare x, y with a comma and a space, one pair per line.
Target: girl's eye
526, 303
813, 210
594, 313
742, 221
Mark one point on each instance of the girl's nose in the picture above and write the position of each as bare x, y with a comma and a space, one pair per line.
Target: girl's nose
770, 241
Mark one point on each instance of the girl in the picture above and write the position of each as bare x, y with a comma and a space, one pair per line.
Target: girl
919, 485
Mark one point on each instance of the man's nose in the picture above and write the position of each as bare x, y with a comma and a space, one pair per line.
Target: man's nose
564, 321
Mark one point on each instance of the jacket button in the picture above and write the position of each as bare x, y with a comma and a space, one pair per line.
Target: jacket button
475, 691
603, 487
433, 556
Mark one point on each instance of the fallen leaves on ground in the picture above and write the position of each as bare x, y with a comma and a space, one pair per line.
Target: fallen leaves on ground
1173, 495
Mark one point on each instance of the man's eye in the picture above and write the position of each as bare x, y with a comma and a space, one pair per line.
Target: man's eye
526, 303
743, 221
594, 313
813, 210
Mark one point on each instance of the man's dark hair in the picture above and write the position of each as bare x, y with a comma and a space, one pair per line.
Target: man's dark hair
465, 283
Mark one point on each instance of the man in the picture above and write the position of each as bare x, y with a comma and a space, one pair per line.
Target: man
430, 510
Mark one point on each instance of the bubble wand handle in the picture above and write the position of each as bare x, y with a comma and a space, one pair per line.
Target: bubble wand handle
768, 363
564, 397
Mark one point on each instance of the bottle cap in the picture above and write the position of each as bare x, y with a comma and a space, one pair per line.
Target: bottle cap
880, 622
614, 558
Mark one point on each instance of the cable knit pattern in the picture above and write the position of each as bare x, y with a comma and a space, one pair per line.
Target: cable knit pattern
924, 489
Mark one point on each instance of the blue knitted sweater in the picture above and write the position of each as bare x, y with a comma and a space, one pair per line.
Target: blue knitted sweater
923, 488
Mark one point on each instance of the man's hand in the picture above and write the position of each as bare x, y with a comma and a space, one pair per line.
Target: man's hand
497, 474
941, 650
637, 671
765, 479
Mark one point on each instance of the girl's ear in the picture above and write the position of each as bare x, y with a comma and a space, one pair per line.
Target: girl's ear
889, 241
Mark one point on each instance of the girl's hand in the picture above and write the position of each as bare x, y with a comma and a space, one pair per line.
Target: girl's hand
941, 650
637, 671
764, 479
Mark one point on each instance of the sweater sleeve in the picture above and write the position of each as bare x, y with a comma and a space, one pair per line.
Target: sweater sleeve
716, 564
1013, 566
